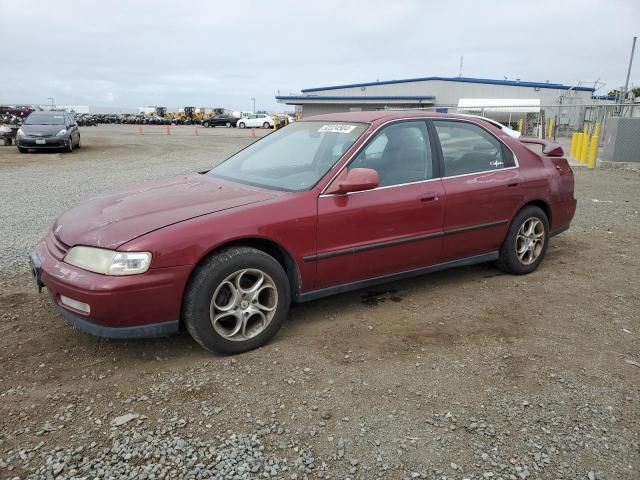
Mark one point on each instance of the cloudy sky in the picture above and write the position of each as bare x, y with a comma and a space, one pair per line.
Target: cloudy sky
222, 53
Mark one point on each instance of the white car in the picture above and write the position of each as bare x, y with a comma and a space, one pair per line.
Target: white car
256, 120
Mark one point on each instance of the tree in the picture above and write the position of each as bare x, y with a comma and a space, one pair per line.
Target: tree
615, 92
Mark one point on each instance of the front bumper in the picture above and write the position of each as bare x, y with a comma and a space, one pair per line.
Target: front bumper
133, 306
50, 142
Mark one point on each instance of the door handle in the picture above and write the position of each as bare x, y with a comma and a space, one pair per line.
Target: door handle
429, 197
513, 185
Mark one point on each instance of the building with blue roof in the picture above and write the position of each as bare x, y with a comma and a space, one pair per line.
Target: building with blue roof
442, 93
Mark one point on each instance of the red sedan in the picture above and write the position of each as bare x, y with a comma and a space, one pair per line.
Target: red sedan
326, 205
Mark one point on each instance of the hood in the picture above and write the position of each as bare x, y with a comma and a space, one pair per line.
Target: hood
41, 130
112, 220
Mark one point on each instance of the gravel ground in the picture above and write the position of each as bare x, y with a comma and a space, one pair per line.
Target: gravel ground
465, 374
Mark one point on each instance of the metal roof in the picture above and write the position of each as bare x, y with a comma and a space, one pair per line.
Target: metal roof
511, 83
352, 98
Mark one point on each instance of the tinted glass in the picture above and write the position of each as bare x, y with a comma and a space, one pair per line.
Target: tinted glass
295, 157
400, 153
45, 119
467, 148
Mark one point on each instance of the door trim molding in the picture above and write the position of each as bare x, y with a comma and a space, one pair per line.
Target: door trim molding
347, 287
400, 241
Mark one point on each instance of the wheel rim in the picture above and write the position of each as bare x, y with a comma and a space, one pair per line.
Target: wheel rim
228, 124
265, 125
530, 240
241, 125
243, 305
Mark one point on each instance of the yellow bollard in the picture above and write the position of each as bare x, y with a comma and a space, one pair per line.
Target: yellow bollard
579, 137
574, 140
596, 130
593, 151
520, 125
275, 122
584, 150
550, 131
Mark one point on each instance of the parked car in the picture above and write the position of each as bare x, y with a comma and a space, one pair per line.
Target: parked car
325, 205
222, 120
48, 130
256, 120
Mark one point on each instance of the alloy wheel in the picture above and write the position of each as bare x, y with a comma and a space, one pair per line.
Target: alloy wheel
530, 240
243, 305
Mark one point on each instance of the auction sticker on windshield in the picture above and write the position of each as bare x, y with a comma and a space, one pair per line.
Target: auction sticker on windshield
338, 128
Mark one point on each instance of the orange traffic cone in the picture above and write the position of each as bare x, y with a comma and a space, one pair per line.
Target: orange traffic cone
140, 130
253, 132
168, 129
195, 130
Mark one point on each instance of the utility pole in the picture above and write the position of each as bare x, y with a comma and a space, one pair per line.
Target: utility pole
626, 83
461, 62
254, 104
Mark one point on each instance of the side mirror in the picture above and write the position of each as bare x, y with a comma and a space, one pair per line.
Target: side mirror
355, 180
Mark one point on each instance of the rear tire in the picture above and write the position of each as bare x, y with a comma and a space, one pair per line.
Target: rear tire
222, 312
23, 150
265, 125
205, 124
526, 244
228, 124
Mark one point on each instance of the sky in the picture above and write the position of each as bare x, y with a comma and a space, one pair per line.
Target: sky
223, 53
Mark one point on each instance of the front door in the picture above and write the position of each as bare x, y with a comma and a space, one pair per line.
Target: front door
481, 181
393, 228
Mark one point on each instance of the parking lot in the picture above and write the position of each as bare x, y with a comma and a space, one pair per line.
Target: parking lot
468, 373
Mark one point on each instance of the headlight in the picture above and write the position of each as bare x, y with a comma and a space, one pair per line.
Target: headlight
20, 133
61, 132
108, 262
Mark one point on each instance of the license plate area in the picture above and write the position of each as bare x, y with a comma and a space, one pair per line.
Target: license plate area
40, 141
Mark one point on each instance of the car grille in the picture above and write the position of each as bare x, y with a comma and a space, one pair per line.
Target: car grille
56, 248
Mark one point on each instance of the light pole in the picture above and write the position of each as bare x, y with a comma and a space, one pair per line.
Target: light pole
623, 94
254, 104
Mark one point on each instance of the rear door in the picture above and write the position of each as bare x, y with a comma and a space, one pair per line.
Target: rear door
483, 189
393, 228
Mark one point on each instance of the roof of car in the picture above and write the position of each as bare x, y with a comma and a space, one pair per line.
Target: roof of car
49, 112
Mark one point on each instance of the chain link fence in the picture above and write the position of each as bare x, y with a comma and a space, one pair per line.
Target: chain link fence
548, 121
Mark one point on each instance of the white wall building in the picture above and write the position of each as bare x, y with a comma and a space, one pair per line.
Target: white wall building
441, 93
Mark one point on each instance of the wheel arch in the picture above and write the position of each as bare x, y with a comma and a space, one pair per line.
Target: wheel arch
542, 205
268, 246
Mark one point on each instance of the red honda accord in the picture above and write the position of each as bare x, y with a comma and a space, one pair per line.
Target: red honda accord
323, 206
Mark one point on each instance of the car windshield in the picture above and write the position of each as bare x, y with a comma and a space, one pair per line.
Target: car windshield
293, 158
44, 119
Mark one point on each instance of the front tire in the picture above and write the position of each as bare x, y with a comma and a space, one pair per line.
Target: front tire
241, 125
265, 125
70, 146
526, 243
236, 300
228, 124
23, 150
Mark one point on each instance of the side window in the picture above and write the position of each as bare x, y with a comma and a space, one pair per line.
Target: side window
468, 148
400, 153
